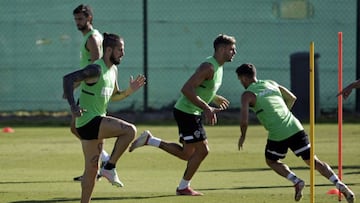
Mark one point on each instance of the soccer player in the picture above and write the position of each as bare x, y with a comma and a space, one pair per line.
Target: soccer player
98, 86
197, 93
90, 51
271, 103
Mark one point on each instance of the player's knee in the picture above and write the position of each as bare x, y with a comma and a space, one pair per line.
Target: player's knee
186, 155
205, 152
131, 132
95, 168
91, 169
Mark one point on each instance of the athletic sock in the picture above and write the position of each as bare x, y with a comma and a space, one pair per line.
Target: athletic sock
337, 182
334, 179
104, 156
184, 184
109, 166
292, 177
154, 141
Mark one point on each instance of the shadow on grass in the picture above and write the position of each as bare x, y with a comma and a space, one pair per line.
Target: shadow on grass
267, 187
276, 186
292, 168
32, 182
163, 196
354, 167
94, 199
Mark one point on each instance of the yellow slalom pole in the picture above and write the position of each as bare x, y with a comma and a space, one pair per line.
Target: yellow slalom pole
312, 124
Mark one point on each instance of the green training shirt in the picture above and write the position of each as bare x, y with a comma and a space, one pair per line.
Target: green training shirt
85, 56
206, 90
272, 112
94, 98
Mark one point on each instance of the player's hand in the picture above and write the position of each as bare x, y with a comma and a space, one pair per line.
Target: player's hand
136, 83
241, 142
345, 93
210, 116
77, 111
221, 102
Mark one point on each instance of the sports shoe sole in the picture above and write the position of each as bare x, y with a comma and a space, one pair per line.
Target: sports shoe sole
145, 135
117, 184
299, 187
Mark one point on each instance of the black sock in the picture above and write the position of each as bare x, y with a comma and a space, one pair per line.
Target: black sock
109, 166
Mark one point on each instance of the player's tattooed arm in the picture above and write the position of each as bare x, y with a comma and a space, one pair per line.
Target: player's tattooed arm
87, 74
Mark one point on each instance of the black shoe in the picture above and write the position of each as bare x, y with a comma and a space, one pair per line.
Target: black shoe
79, 178
98, 177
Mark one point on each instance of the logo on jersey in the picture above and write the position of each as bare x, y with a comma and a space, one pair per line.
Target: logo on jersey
268, 91
106, 91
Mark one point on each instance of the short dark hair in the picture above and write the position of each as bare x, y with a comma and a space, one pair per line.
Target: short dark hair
110, 40
85, 9
223, 39
246, 69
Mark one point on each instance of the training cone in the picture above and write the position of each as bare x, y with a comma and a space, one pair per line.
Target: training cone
8, 130
333, 192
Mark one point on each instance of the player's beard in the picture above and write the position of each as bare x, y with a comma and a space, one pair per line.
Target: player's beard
230, 58
81, 27
114, 60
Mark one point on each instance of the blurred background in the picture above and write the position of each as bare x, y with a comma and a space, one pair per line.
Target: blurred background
167, 41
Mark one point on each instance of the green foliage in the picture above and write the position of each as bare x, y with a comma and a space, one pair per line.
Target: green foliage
38, 164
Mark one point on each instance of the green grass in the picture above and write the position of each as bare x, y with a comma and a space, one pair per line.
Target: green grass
37, 164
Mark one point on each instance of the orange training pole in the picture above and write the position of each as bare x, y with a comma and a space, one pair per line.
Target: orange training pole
340, 107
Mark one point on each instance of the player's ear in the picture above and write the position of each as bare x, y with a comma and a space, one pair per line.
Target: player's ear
108, 50
90, 18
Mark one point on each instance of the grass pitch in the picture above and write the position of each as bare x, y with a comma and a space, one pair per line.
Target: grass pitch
37, 164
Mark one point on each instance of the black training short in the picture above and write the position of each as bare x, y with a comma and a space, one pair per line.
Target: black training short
298, 143
190, 127
90, 131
